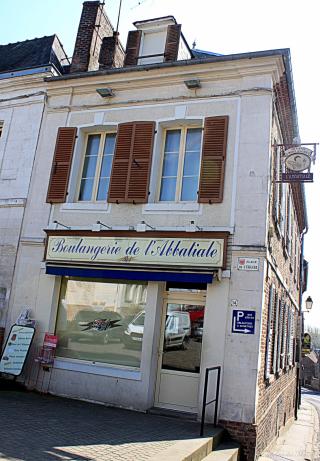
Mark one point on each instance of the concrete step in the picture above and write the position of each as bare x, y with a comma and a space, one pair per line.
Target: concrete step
195, 449
186, 450
225, 452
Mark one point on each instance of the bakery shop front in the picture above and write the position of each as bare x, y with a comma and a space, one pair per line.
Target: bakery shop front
132, 312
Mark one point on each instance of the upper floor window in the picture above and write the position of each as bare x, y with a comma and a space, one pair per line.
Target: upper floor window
181, 165
96, 170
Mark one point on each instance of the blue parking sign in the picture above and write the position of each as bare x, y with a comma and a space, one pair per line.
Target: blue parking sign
243, 322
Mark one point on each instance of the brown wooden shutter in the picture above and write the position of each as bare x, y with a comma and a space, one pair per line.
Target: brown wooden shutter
130, 175
214, 150
172, 42
61, 165
132, 48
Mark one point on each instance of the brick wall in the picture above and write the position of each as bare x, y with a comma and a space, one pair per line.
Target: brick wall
276, 395
93, 27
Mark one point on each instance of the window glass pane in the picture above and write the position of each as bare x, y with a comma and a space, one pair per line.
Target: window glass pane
86, 189
93, 144
109, 144
170, 165
103, 189
172, 143
89, 167
106, 165
191, 164
193, 141
96, 322
168, 189
189, 188
183, 337
191, 167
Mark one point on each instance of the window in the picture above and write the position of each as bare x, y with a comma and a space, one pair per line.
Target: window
97, 322
96, 170
181, 165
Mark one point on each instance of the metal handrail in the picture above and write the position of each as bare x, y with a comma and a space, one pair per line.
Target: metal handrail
205, 403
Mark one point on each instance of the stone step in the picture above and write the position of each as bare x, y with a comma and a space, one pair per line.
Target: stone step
186, 450
195, 449
228, 452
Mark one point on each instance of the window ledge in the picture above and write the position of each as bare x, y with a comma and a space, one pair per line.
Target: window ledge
85, 206
167, 207
95, 368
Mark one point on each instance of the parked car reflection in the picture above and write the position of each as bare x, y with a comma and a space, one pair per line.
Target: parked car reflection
177, 330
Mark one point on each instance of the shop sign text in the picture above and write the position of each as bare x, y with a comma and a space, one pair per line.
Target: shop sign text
166, 251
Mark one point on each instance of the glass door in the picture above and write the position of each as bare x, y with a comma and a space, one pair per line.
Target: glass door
180, 354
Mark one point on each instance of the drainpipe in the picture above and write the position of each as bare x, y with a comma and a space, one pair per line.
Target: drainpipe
301, 330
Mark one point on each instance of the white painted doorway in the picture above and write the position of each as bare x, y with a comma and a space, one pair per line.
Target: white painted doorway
180, 351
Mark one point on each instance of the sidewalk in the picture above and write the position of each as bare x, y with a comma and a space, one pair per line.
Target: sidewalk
300, 441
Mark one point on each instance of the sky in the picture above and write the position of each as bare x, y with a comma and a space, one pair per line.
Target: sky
231, 26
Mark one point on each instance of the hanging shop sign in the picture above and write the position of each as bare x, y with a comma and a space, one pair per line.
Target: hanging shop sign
297, 162
150, 251
306, 343
16, 349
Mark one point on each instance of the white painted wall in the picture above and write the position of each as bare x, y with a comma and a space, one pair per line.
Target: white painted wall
227, 89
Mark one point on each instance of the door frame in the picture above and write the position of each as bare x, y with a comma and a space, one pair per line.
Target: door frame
176, 298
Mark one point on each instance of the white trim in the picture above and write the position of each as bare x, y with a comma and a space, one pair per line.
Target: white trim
86, 207
235, 166
172, 207
97, 369
12, 202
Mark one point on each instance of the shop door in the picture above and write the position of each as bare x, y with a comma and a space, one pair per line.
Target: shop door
180, 353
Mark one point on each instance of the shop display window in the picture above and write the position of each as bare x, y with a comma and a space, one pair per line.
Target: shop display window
101, 321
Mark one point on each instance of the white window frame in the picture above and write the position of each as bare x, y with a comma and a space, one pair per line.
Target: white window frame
182, 151
103, 134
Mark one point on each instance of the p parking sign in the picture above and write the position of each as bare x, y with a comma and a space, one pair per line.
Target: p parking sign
243, 322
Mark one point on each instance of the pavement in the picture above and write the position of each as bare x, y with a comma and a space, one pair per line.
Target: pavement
300, 440
37, 427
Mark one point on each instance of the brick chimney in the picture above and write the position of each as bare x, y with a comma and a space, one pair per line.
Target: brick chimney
93, 27
111, 52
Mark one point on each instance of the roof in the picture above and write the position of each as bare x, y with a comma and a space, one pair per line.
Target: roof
201, 54
31, 53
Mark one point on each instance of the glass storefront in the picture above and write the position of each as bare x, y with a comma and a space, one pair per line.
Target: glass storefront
101, 321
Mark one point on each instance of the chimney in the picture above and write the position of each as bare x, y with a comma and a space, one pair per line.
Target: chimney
93, 27
111, 52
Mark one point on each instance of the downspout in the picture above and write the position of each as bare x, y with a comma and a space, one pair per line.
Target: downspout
300, 332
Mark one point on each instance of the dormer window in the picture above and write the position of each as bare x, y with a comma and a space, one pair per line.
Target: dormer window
155, 41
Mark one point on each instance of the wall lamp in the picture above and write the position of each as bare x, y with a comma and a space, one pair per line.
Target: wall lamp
309, 303
105, 92
192, 84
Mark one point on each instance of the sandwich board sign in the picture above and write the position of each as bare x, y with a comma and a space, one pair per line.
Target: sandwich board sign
16, 349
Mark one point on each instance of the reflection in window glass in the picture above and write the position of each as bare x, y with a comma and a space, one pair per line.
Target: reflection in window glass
183, 337
98, 323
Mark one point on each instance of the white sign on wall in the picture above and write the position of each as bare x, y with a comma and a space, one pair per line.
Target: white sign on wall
248, 264
165, 251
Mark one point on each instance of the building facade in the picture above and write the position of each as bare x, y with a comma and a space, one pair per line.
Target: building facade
162, 243
23, 67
